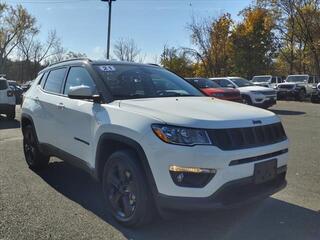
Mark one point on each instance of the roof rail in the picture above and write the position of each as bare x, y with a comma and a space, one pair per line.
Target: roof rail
71, 59
154, 64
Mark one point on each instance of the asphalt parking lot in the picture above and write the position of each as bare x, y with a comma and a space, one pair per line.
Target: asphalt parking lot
65, 203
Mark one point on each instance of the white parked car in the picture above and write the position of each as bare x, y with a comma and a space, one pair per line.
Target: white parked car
7, 99
297, 86
251, 94
154, 141
266, 81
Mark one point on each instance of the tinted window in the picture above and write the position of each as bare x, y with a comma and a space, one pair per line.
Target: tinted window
241, 82
142, 81
203, 83
3, 84
78, 76
274, 80
55, 80
310, 80
43, 79
223, 83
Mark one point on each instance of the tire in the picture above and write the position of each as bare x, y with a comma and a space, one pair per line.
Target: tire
125, 190
11, 115
247, 100
314, 99
34, 158
301, 95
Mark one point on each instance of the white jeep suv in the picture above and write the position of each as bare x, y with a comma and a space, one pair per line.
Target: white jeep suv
153, 140
7, 99
252, 95
297, 86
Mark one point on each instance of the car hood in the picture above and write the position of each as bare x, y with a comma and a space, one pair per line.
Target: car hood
199, 112
260, 83
253, 88
289, 84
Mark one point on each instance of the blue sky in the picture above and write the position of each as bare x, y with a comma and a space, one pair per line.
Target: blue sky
82, 24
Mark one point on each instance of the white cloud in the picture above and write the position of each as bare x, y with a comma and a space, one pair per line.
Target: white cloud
97, 52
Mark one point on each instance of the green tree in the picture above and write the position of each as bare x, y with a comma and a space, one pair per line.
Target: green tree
253, 45
177, 61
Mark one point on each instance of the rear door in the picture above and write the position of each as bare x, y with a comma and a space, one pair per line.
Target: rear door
310, 84
49, 100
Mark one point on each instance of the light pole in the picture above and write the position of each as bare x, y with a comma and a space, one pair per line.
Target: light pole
109, 26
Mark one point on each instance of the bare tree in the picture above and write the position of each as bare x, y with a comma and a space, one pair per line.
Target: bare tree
16, 23
37, 53
127, 50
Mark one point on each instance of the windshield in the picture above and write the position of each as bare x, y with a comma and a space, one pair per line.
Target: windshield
204, 83
241, 82
138, 81
261, 79
297, 78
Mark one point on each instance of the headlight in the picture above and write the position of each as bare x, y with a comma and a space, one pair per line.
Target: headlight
181, 135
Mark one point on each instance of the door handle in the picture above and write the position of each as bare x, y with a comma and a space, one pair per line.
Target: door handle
60, 106
36, 99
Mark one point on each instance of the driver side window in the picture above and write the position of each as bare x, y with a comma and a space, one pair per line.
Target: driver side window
78, 76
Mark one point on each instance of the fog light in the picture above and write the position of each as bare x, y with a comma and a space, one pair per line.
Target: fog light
191, 176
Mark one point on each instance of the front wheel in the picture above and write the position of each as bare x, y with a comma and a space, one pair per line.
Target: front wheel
247, 100
125, 189
34, 158
301, 95
11, 114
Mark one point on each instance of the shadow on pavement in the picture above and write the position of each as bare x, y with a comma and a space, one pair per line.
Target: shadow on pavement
270, 219
7, 124
287, 112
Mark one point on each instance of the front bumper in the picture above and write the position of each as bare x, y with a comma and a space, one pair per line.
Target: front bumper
161, 156
231, 194
264, 100
267, 103
287, 94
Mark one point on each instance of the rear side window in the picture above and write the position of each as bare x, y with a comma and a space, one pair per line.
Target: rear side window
3, 84
78, 76
223, 83
55, 80
43, 79
274, 80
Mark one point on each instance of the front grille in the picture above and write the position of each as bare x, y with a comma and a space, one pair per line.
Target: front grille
250, 137
286, 86
268, 92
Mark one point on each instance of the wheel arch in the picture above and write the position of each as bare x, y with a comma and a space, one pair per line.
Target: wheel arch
111, 142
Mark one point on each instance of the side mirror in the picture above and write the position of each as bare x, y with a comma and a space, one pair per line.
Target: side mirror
83, 92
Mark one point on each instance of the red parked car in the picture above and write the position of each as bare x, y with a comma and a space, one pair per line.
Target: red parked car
212, 89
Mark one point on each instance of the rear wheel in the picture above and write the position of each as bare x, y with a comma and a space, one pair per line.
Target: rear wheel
34, 158
125, 190
315, 99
